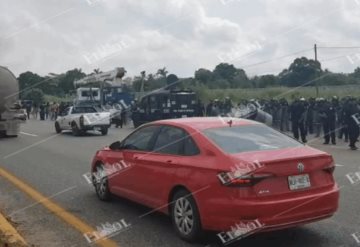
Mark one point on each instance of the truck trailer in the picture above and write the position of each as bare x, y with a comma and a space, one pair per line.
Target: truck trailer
11, 114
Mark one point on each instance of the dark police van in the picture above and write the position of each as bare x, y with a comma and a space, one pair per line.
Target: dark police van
165, 104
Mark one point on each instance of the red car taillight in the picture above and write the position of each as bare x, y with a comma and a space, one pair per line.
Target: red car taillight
244, 181
330, 169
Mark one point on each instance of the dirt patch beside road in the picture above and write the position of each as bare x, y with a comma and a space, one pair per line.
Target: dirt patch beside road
9, 237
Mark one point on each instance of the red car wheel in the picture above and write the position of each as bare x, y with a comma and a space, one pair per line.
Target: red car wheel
185, 216
101, 183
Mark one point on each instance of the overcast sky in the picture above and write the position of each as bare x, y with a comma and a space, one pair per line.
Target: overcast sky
45, 36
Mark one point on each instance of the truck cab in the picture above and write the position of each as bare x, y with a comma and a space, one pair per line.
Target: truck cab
88, 94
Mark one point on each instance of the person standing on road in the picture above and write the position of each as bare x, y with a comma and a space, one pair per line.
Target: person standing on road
343, 128
310, 116
42, 111
28, 110
284, 115
56, 110
215, 109
35, 111
276, 113
47, 110
209, 108
298, 113
351, 111
200, 108
328, 116
317, 118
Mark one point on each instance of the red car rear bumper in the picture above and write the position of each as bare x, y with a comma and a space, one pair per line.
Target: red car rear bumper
273, 213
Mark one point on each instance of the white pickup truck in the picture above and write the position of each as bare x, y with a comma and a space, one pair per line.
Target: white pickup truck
80, 119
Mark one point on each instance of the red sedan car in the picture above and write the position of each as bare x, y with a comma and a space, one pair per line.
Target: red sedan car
212, 173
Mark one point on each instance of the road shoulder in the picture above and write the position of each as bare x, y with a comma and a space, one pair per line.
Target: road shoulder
9, 236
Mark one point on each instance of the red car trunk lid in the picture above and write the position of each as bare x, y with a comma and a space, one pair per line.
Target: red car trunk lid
293, 170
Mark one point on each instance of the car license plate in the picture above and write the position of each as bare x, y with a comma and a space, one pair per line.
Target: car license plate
299, 182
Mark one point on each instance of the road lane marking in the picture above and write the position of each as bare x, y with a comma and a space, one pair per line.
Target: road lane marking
69, 218
30, 146
36, 203
28, 134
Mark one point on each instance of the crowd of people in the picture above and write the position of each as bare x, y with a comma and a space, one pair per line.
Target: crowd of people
333, 118
42, 111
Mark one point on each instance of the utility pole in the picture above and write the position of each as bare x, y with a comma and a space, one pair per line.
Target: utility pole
316, 59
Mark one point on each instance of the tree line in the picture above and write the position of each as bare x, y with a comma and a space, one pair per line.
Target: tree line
301, 72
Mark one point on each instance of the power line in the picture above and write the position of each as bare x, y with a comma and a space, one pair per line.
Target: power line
339, 47
302, 51
274, 59
342, 56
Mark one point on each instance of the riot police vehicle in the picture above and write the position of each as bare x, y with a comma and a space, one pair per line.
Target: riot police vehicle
165, 104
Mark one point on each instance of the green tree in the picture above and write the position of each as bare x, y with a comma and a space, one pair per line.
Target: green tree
265, 81
225, 71
301, 72
66, 81
218, 83
28, 81
240, 80
172, 78
36, 95
331, 79
203, 75
356, 75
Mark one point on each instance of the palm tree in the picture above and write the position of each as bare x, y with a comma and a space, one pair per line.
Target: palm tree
97, 71
162, 72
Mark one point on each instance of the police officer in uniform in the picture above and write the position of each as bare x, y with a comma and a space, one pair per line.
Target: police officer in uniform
298, 113
310, 116
317, 119
328, 116
351, 109
284, 115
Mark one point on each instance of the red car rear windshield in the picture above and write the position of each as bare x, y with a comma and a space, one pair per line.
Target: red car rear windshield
247, 138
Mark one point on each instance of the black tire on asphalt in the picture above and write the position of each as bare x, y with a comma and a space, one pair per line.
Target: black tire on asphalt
196, 230
75, 129
11, 136
104, 130
101, 184
136, 124
57, 128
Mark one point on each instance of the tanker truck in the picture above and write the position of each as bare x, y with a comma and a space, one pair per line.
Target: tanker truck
11, 114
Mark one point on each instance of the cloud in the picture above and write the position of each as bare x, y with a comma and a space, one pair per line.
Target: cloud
183, 35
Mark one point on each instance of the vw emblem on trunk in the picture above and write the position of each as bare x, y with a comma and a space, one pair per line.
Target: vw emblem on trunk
300, 167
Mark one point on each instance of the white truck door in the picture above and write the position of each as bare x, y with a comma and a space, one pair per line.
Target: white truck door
64, 118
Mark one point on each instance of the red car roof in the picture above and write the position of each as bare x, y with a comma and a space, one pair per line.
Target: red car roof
201, 123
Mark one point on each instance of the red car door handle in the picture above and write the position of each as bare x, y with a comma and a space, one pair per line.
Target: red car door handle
169, 161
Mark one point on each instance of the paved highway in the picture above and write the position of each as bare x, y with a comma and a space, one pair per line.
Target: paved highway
43, 191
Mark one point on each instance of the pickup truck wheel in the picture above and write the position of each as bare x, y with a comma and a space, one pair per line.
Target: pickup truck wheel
57, 128
75, 129
12, 136
104, 130
101, 183
136, 124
